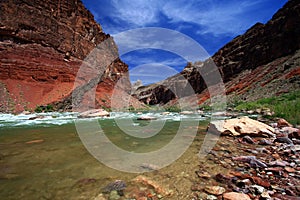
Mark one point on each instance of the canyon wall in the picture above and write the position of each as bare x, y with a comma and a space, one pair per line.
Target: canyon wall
43, 44
265, 58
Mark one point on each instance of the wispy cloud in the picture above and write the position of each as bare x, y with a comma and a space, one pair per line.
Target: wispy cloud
163, 39
214, 16
151, 73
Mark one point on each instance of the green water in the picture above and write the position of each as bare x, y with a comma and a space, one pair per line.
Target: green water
59, 167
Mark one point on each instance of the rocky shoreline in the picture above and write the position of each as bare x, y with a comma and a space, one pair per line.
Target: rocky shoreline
256, 168
244, 167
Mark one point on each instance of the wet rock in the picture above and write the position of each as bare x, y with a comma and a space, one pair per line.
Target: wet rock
256, 189
35, 141
241, 126
36, 117
290, 169
146, 118
296, 141
148, 182
284, 140
94, 113
211, 197
223, 178
243, 183
203, 174
197, 187
278, 163
261, 182
264, 142
186, 113
265, 195
248, 139
113, 195
235, 196
117, 185
251, 160
263, 150
165, 113
293, 133
274, 169
283, 123
215, 190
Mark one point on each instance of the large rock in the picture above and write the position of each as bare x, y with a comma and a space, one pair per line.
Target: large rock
241, 126
94, 113
42, 45
235, 196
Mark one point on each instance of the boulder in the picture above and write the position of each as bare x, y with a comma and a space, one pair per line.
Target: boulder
283, 123
146, 118
241, 126
94, 113
235, 196
186, 112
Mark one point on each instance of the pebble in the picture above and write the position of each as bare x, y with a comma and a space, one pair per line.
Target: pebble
257, 189
215, 190
248, 139
264, 142
211, 197
265, 195
278, 163
203, 174
290, 169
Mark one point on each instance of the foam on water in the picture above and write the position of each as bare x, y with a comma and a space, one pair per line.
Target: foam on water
55, 118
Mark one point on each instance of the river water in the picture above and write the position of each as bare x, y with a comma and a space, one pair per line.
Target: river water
44, 158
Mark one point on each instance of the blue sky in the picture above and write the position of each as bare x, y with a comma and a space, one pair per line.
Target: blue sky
211, 23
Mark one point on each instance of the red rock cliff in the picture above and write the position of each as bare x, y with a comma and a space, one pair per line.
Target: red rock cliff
42, 45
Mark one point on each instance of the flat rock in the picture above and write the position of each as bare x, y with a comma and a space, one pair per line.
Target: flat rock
94, 113
241, 126
186, 113
215, 190
146, 118
235, 196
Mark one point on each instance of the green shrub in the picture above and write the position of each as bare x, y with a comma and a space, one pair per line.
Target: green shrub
285, 106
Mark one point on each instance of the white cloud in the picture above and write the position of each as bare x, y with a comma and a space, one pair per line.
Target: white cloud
136, 61
214, 17
163, 39
137, 12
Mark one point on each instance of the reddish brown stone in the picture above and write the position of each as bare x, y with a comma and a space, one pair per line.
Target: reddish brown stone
283, 123
261, 182
235, 196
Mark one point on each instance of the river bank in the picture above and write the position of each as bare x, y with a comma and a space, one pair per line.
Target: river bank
43, 158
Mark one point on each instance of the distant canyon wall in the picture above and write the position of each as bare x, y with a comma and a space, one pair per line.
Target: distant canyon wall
266, 55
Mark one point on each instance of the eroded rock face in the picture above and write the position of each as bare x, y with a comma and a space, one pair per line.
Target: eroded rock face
42, 46
266, 52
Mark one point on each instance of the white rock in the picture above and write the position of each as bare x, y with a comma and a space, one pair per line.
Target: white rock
241, 126
94, 113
